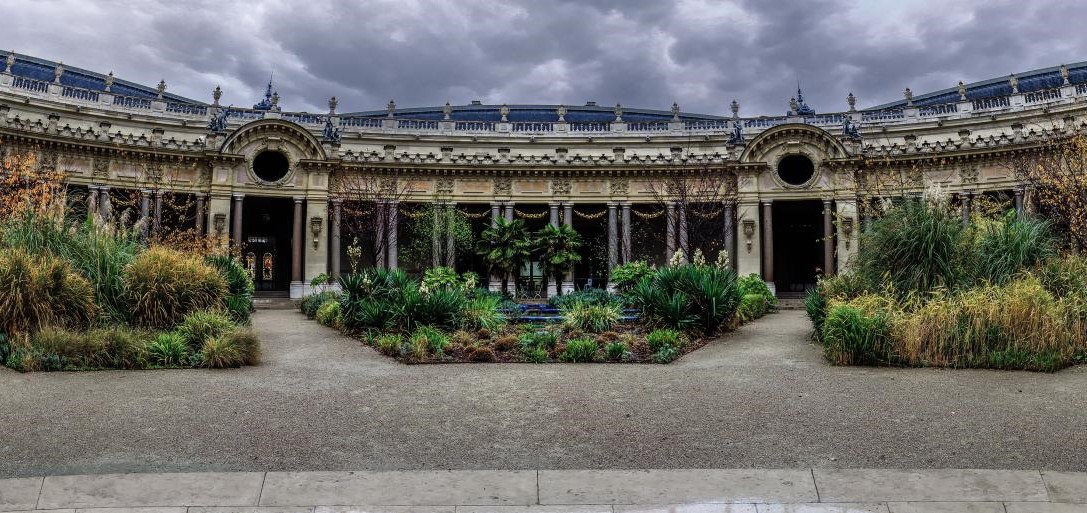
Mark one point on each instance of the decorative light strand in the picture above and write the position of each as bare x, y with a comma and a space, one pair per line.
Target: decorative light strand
590, 217
647, 215
527, 215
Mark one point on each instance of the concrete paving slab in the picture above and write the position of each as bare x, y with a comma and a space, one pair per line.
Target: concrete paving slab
251, 509
420, 488
385, 509
146, 490
675, 486
173, 509
1066, 486
881, 485
534, 509
19, 494
946, 507
823, 508
686, 508
1047, 507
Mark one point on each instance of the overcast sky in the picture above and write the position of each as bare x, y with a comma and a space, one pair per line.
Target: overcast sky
642, 53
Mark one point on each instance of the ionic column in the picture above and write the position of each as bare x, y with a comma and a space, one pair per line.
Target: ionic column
237, 211
157, 222
436, 234
495, 212
394, 240
568, 220
92, 200
450, 243
728, 231
379, 234
337, 214
145, 213
494, 283
768, 243
683, 241
613, 237
626, 231
200, 215
965, 198
296, 244
105, 207
669, 231
508, 212
828, 236
553, 212
1018, 200
867, 206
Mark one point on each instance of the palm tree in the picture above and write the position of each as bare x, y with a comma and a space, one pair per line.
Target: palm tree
558, 247
504, 248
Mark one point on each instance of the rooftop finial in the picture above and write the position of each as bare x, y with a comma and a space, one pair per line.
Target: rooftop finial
57, 72
675, 111
161, 88
332, 103
505, 112
962, 91
109, 81
852, 101
1064, 72
561, 111
735, 107
9, 62
216, 94
447, 111
391, 107
1013, 81
271, 98
618, 112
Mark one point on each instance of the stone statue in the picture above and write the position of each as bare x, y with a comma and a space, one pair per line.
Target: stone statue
447, 111
675, 111
909, 97
216, 94
109, 81
9, 62
618, 112
852, 101
962, 91
735, 107
736, 137
390, 108
275, 100
505, 112
161, 88
217, 123
849, 129
1064, 74
1013, 81
57, 72
332, 103
793, 106
331, 132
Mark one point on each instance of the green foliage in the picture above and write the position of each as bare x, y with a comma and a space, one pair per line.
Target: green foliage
41, 291
239, 298
419, 248
816, 305
1011, 244
666, 354
852, 336
536, 355
432, 340
627, 276
199, 326
505, 247
220, 353
753, 284
657, 339
588, 295
752, 306
615, 350
482, 312
112, 347
579, 350
557, 247
321, 280
688, 297
312, 302
389, 343
168, 350
329, 313
591, 317
439, 307
164, 285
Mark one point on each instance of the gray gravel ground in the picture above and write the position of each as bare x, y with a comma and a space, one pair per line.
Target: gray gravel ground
760, 397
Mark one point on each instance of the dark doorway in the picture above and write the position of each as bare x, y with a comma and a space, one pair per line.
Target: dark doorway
266, 241
798, 245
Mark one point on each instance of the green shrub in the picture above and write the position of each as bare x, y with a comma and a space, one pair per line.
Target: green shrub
1015, 243
590, 296
854, 336
666, 354
312, 302
36, 292
579, 350
199, 326
5, 348
168, 350
389, 344
430, 339
625, 277
752, 306
239, 298
688, 297
438, 307
591, 317
657, 339
329, 313
536, 355
545, 339
126, 348
164, 285
615, 350
446, 277
482, 312
753, 284
221, 352
247, 343
815, 304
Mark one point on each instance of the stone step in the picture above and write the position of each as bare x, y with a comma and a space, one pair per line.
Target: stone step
274, 303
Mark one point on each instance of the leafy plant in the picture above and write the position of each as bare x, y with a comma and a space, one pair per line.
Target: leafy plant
239, 298
579, 350
482, 312
389, 344
536, 355
312, 302
199, 326
1014, 243
664, 338
329, 313
588, 295
666, 354
615, 350
558, 251
590, 317
627, 276
36, 292
505, 246
168, 350
688, 297
164, 285
221, 352
430, 340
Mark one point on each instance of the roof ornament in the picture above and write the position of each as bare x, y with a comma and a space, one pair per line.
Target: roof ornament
332, 103
266, 103
275, 101
1013, 81
332, 132
735, 108
57, 72
850, 129
852, 101
736, 137
9, 62
504, 110
561, 111
217, 123
109, 81
793, 106
675, 111
1064, 73
161, 88
800, 108
390, 108
618, 112
447, 111
909, 97
216, 94
962, 91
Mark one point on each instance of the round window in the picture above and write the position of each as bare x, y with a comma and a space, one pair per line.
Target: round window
271, 166
796, 169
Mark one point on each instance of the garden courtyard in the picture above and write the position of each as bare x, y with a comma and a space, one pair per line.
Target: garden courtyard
760, 396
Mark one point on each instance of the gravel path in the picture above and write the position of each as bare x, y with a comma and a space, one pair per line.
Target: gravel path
760, 397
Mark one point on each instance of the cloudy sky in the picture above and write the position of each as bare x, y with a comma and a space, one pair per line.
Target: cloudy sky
642, 53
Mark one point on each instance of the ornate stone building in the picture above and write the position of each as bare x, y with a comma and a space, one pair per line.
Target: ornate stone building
784, 195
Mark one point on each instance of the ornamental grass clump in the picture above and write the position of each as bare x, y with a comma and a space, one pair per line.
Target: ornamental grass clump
591, 317
579, 350
857, 332
164, 285
199, 326
168, 350
689, 297
239, 298
42, 291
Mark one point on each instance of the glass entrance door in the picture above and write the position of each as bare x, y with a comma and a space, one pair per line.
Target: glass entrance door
262, 262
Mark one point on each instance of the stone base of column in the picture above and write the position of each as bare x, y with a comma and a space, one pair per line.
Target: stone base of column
772, 287
494, 284
298, 290
610, 288
552, 291
567, 287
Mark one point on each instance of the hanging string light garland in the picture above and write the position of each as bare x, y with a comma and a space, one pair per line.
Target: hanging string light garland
647, 215
590, 217
709, 215
470, 215
527, 215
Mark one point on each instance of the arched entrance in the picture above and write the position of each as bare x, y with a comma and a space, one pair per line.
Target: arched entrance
266, 242
798, 245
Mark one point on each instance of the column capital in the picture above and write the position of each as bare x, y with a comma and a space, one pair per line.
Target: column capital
393, 202
497, 203
237, 195
613, 204
298, 199
554, 203
103, 187
335, 201
766, 202
146, 191
93, 187
625, 204
728, 202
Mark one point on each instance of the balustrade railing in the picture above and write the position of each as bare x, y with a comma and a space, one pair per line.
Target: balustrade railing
883, 115
77, 93
246, 114
1045, 95
825, 120
591, 126
417, 124
648, 126
533, 127
361, 122
132, 102
938, 110
186, 108
474, 126
999, 102
763, 122
1081, 89
303, 118
705, 125
30, 84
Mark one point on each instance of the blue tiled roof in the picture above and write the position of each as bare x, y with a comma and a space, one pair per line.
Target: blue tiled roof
1036, 80
534, 113
41, 69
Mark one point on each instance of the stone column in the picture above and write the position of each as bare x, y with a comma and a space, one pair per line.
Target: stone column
828, 239
145, 213
1019, 200
237, 219
626, 231
670, 231
105, 207
508, 211
553, 212
684, 243
613, 238
964, 197
494, 283
748, 259
728, 231
450, 242
156, 226
436, 234
394, 239
848, 235
92, 201
314, 248
867, 206
380, 220
337, 215
296, 246
495, 212
768, 244
568, 220
199, 215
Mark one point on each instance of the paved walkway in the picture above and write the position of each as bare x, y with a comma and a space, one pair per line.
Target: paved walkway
673, 491
759, 398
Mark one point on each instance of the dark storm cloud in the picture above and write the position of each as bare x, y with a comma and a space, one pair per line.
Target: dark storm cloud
643, 53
